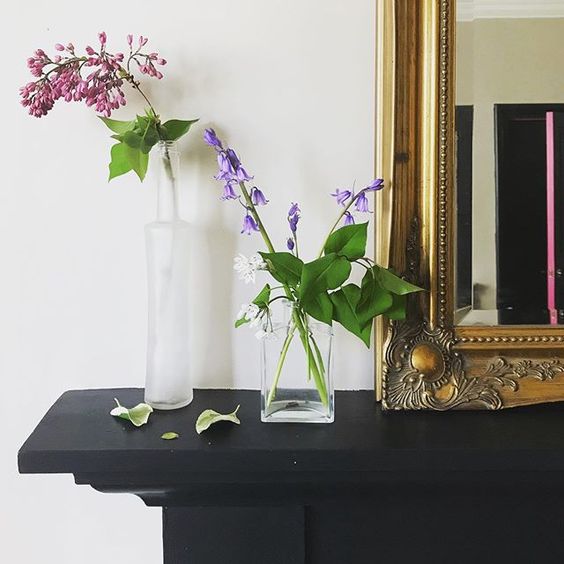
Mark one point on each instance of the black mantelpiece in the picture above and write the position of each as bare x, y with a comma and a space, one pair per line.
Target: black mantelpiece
372, 487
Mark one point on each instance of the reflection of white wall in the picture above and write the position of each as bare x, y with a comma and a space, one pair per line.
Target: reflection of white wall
502, 61
468, 10
288, 82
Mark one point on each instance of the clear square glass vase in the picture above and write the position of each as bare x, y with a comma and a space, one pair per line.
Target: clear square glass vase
297, 385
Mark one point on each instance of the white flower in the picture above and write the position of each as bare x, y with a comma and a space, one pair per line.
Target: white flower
250, 312
247, 267
261, 334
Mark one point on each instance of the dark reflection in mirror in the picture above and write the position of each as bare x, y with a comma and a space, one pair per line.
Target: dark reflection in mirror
510, 164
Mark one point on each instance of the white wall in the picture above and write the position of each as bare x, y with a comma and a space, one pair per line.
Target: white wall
291, 85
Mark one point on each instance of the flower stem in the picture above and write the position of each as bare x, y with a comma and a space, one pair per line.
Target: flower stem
339, 218
280, 365
304, 337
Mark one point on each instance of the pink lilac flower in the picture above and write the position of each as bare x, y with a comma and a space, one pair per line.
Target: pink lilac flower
96, 78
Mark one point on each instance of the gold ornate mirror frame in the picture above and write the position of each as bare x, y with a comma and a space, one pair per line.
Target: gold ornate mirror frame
426, 362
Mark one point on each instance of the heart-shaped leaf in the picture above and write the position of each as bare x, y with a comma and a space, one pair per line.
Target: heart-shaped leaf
319, 306
117, 126
348, 241
393, 283
175, 128
208, 417
325, 273
284, 267
374, 299
345, 302
263, 297
138, 415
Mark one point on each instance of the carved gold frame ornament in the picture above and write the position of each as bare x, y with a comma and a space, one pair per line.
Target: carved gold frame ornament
428, 362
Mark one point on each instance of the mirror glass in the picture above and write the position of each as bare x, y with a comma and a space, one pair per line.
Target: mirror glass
509, 145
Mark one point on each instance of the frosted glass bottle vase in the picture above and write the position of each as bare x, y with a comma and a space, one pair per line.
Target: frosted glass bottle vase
168, 384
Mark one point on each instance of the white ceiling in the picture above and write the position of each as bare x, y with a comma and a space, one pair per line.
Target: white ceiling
468, 10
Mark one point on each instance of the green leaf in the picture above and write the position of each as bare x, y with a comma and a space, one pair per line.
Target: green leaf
124, 158
170, 436
284, 267
175, 128
132, 139
348, 241
374, 299
397, 311
149, 138
345, 302
119, 163
263, 297
116, 126
319, 306
138, 415
326, 273
208, 417
139, 162
393, 283
241, 321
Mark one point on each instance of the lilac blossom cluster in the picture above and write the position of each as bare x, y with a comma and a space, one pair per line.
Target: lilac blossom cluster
61, 76
232, 173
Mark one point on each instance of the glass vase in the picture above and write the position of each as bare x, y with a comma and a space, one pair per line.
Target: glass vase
297, 385
168, 384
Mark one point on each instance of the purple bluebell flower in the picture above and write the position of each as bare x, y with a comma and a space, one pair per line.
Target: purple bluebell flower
229, 192
294, 217
349, 218
226, 170
376, 184
290, 244
257, 197
233, 159
362, 203
211, 139
342, 196
294, 209
249, 224
242, 175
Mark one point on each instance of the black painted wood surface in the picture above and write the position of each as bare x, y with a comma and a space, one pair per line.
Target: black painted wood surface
372, 487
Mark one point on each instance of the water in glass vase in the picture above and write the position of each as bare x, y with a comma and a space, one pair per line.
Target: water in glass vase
297, 384
168, 384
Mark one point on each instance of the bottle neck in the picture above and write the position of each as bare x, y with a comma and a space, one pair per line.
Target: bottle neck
167, 181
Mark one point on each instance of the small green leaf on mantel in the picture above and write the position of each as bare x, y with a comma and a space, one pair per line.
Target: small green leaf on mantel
138, 415
170, 436
208, 417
